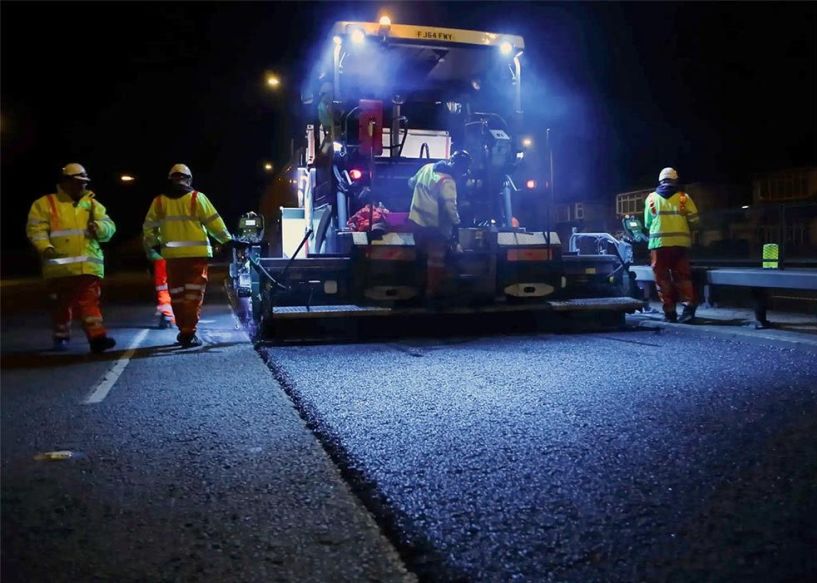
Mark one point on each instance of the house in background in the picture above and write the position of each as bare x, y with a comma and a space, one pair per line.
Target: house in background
707, 196
791, 185
791, 196
585, 216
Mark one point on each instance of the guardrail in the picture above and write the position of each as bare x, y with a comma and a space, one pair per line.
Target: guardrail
758, 280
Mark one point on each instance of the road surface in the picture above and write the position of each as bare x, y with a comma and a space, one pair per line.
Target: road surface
648, 454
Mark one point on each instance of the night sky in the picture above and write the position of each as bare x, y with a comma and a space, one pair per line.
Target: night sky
718, 90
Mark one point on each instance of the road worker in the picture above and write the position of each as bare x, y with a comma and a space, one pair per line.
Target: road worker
176, 229
668, 215
434, 213
67, 228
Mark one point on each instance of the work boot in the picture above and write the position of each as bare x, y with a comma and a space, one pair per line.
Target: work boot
670, 317
101, 344
61, 344
165, 322
688, 314
188, 340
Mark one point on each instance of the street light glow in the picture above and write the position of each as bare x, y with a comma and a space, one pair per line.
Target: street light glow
530, 184
126, 178
273, 81
527, 142
267, 166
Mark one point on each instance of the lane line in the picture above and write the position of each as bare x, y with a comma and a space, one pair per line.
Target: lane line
106, 383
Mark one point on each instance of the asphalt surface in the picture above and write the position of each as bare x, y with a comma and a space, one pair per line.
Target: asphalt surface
663, 453
194, 467
644, 455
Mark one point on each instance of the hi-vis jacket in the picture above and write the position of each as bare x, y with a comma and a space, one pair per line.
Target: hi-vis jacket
55, 220
434, 203
668, 219
181, 225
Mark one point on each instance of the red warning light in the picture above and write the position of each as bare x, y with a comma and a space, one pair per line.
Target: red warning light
355, 174
530, 184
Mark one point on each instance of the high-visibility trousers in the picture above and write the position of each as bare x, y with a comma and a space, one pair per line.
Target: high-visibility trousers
673, 276
163, 305
80, 293
187, 280
432, 243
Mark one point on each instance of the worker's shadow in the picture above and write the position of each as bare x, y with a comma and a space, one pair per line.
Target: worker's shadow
175, 349
48, 359
735, 322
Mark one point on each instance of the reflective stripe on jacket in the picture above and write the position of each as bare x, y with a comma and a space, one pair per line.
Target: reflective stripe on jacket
55, 220
668, 219
181, 226
434, 203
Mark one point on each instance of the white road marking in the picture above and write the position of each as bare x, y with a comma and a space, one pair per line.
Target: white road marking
104, 386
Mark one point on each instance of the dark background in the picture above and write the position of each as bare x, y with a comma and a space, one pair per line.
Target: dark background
718, 90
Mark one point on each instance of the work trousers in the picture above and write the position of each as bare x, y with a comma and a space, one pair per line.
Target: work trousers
163, 305
673, 277
433, 244
187, 280
80, 292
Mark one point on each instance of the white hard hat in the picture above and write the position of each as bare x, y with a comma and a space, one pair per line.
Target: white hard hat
180, 169
75, 171
668, 174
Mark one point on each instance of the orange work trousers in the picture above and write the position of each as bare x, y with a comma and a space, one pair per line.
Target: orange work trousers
80, 292
673, 276
163, 305
432, 243
187, 280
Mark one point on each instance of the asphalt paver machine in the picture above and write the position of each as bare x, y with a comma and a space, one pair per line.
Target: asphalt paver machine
383, 100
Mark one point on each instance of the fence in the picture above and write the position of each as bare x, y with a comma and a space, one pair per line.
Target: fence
738, 235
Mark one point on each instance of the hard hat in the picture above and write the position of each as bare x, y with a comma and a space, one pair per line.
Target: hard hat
75, 171
668, 174
180, 169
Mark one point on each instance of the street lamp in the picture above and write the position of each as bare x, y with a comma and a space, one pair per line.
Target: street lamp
273, 81
127, 178
268, 167
527, 142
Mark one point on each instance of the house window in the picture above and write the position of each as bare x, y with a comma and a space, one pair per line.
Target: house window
630, 204
797, 233
562, 214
